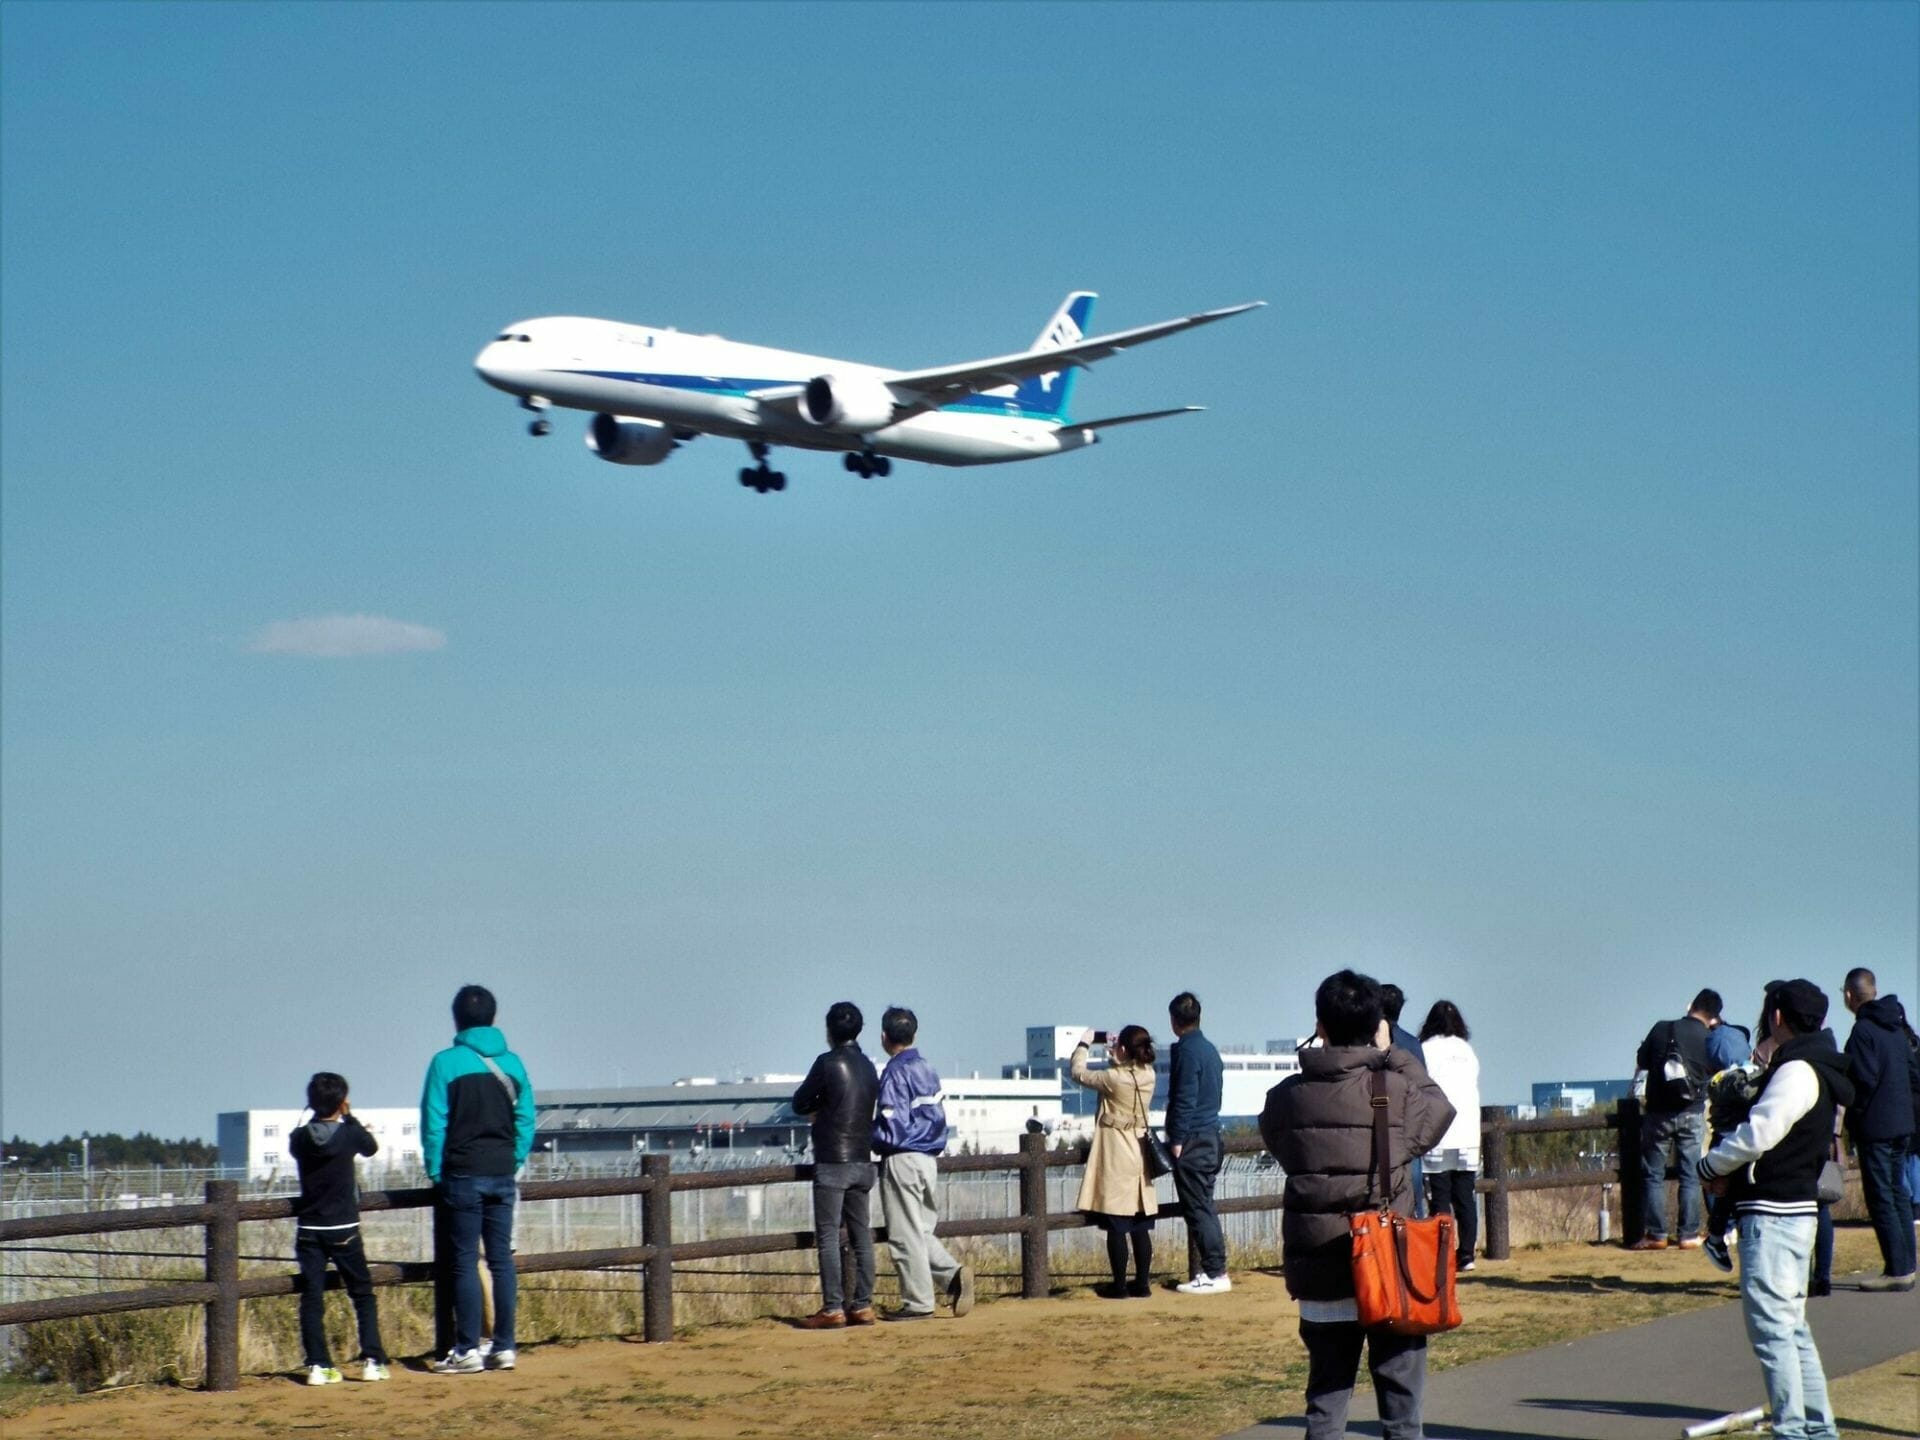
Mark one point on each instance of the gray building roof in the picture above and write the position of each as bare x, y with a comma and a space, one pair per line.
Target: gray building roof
666, 1107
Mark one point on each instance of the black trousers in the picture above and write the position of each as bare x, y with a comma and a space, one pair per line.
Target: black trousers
315, 1250
1451, 1193
1398, 1364
1195, 1170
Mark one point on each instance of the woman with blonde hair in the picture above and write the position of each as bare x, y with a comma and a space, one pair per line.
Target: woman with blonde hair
1116, 1190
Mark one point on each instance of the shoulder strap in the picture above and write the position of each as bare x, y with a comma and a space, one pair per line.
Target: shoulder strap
1382, 1151
513, 1090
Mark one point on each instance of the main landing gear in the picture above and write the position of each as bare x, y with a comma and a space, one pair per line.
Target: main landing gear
538, 405
759, 477
866, 464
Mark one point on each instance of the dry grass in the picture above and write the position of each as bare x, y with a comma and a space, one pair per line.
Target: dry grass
1068, 1366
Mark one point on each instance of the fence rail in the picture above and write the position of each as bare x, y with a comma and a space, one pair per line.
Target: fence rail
223, 1212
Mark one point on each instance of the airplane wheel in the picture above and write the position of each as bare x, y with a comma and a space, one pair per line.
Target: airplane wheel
883, 466
540, 427
851, 461
779, 481
746, 478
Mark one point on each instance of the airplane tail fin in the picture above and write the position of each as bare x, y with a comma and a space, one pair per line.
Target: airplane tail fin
1046, 396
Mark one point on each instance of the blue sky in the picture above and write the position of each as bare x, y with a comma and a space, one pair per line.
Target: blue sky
1531, 619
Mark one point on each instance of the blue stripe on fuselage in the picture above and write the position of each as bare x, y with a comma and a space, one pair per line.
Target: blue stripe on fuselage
740, 388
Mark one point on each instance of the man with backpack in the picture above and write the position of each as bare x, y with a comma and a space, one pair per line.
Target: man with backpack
1673, 1117
476, 1127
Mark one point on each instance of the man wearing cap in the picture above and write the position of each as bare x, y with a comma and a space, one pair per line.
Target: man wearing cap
1771, 1166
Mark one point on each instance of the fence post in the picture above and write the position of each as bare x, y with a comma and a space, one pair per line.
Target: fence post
656, 1229
1493, 1120
223, 1269
1035, 1279
1633, 1174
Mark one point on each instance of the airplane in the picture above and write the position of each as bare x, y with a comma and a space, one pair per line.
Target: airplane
652, 390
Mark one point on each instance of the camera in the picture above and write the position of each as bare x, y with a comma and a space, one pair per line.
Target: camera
1099, 1037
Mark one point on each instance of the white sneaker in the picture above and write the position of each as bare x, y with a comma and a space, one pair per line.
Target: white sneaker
459, 1362
322, 1375
500, 1359
374, 1370
486, 1348
1206, 1285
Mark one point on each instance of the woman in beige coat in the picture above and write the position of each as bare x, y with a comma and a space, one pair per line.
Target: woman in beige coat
1116, 1190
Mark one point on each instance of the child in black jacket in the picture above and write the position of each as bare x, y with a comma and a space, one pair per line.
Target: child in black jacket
327, 1215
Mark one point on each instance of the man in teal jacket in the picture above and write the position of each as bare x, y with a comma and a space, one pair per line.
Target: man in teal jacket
476, 1127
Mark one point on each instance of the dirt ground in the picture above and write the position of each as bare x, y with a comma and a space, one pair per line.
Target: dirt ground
1074, 1365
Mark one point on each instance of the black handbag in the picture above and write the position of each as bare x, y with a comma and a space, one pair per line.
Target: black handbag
1155, 1158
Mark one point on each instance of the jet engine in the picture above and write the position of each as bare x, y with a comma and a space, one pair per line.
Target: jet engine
623, 441
853, 403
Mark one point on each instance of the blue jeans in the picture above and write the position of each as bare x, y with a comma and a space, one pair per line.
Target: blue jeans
1774, 1250
480, 1207
1683, 1130
1883, 1181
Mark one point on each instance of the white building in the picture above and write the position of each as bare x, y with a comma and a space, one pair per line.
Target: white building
256, 1140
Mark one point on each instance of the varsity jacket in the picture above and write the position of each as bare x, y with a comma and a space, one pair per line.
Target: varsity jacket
468, 1123
324, 1151
1774, 1156
912, 1113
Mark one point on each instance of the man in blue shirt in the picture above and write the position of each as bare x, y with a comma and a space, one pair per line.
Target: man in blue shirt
909, 1132
1193, 1134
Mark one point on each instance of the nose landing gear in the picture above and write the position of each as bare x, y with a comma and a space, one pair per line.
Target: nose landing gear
866, 464
760, 476
538, 404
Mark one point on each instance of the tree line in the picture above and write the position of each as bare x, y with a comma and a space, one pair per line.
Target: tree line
112, 1151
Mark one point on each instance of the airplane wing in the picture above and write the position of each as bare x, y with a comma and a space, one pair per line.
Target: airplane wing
921, 390
1113, 420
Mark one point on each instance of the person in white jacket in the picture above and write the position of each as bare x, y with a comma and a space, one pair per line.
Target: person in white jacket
1454, 1164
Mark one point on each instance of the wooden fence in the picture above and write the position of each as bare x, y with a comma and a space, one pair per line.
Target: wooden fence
223, 1212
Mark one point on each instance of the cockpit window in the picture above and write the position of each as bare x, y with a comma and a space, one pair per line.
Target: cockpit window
523, 337
507, 336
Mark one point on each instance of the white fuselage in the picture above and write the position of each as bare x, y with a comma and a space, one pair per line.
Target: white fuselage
705, 383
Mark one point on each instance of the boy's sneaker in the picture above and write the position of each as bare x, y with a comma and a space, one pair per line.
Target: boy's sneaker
459, 1362
1718, 1254
375, 1370
501, 1359
322, 1375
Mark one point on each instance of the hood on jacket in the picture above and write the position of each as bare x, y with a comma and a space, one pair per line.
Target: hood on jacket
1819, 1052
487, 1040
1886, 1011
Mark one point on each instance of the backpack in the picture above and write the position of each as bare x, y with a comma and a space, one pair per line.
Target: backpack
1677, 1090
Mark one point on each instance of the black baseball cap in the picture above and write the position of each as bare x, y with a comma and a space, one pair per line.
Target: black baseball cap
1802, 1002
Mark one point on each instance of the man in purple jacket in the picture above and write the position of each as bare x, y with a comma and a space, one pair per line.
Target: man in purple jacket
909, 1130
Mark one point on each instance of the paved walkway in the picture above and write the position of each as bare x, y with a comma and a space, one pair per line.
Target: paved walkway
1647, 1382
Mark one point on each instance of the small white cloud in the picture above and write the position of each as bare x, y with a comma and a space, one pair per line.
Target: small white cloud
345, 637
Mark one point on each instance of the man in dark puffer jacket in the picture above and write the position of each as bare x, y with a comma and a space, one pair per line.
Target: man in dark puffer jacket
1319, 1126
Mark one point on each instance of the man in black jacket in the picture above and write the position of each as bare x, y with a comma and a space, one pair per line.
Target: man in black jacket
1770, 1165
1881, 1062
839, 1093
1674, 1058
